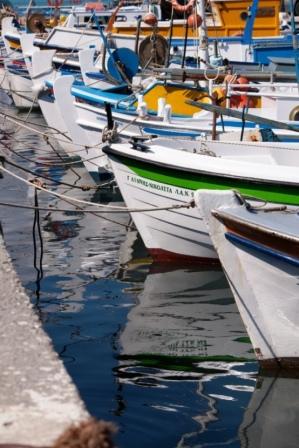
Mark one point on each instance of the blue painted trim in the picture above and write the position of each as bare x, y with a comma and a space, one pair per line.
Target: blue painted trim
170, 133
248, 124
49, 83
281, 256
23, 73
96, 75
101, 97
236, 124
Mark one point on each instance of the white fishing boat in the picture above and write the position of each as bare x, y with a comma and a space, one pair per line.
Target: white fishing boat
156, 107
16, 78
258, 248
165, 173
20, 85
39, 63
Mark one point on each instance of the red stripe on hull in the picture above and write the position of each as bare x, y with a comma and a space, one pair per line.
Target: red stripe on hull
161, 255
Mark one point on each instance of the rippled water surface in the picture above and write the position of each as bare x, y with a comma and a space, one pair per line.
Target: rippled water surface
158, 349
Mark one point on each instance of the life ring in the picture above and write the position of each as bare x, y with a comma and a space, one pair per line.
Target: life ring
55, 3
182, 8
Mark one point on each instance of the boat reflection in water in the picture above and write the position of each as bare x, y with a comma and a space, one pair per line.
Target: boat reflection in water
186, 349
272, 417
183, 313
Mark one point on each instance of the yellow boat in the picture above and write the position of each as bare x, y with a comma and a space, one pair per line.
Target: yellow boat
176, 95
226, 18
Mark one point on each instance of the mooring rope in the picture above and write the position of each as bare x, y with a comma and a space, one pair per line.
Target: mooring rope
24, 124
108, 208
43, 176
263, 206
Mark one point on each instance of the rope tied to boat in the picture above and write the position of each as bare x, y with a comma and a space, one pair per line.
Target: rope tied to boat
110, 135
263, 206
108, 208
47, 136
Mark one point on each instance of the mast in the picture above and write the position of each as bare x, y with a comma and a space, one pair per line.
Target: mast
203, 52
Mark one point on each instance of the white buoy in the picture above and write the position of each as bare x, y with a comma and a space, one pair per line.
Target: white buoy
167, 113
139, 100
161, 106
142, 110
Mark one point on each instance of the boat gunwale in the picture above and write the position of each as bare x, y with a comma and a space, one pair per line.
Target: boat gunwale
197, 171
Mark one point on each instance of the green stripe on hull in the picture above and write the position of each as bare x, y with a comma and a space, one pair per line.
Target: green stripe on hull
265, 191
186, 363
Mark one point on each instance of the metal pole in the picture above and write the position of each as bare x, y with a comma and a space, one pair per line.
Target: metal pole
185, 44
28, 11
295, 41
169, 40
203, 39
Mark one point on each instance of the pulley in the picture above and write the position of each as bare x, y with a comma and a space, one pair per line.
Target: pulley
153, 51
36, 23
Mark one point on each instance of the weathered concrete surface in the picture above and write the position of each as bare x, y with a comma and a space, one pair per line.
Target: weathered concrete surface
37, 397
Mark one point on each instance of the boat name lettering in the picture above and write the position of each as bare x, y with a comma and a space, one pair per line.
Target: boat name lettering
182, 192
160, 187
149, 184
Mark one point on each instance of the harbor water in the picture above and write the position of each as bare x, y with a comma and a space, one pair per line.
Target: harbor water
160, 350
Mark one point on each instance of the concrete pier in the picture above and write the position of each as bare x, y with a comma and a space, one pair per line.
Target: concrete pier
38, 400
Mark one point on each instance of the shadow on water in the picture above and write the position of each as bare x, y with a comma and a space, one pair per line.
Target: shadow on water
160, 350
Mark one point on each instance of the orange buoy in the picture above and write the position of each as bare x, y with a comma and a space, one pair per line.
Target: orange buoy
242, 100
242, 80
194, 21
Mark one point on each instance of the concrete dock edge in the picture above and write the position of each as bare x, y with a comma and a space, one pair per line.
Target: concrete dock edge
38, 400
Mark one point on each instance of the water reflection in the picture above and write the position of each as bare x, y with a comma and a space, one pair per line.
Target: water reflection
272, 417
186, 357
183, 347
185, 312
82, 246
